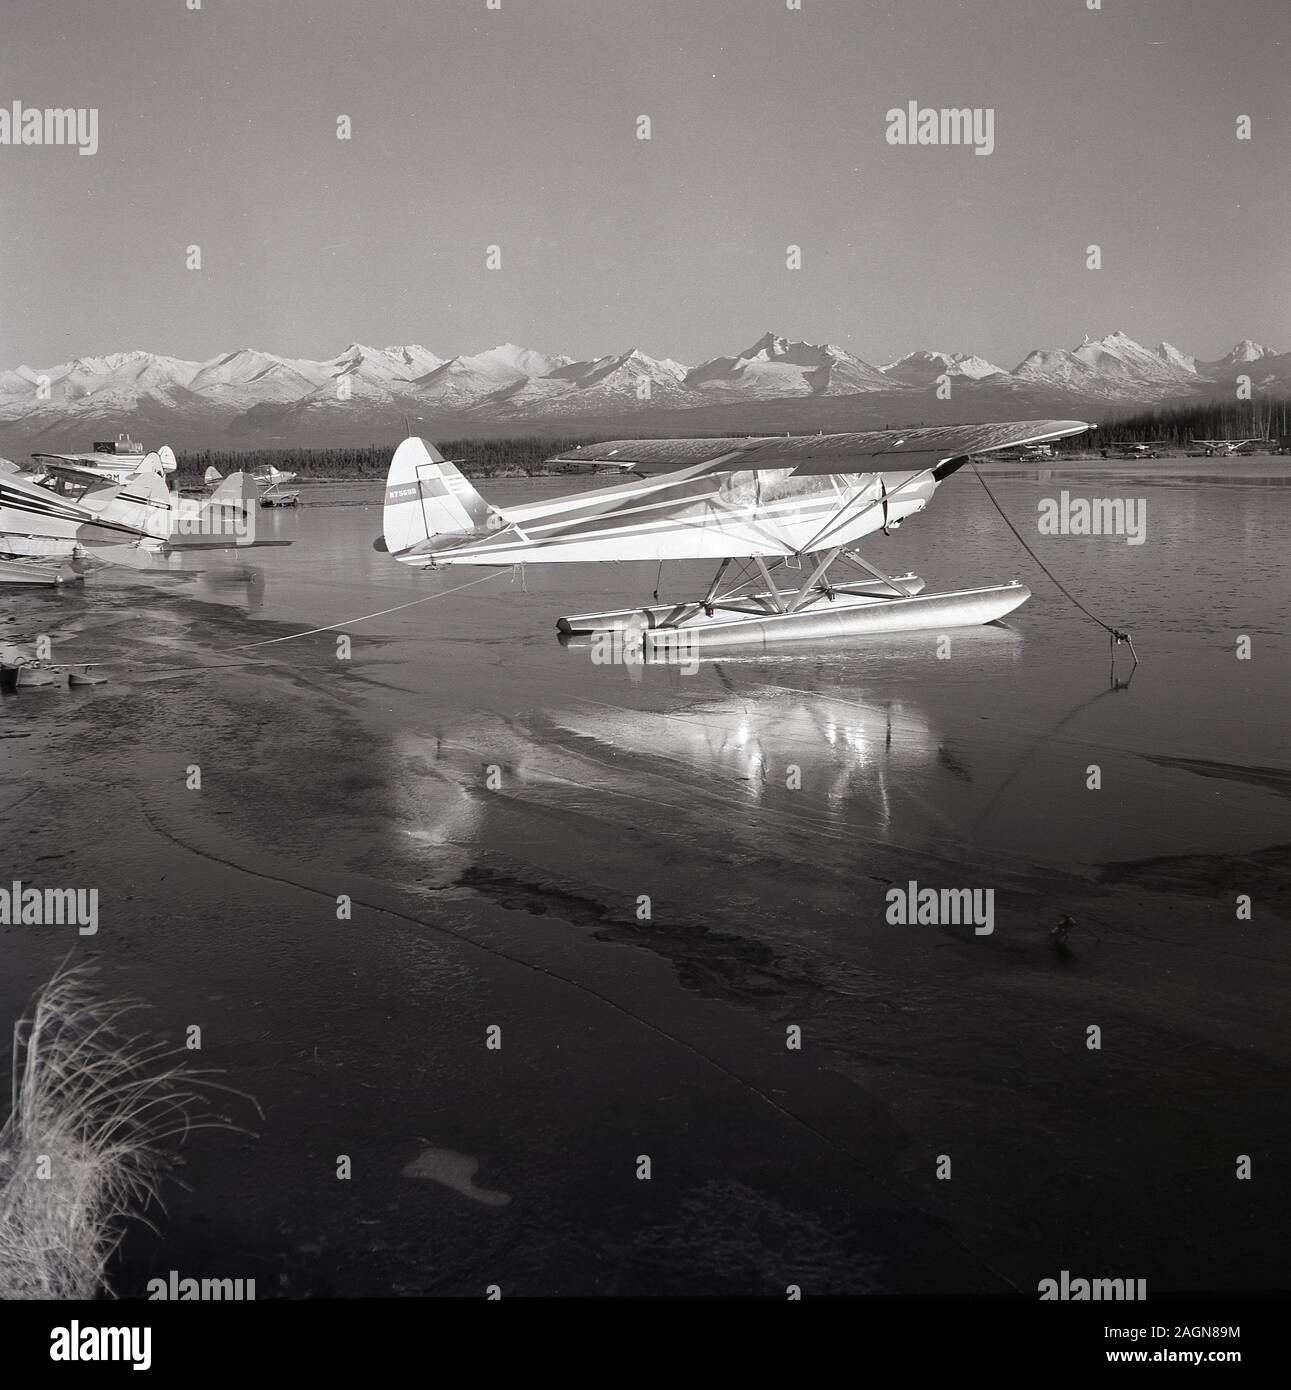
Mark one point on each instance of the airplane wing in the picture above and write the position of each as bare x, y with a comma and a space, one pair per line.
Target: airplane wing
810, 454
58, 465
79, 458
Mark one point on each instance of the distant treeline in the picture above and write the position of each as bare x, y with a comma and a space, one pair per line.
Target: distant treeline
1178, 424
477, 458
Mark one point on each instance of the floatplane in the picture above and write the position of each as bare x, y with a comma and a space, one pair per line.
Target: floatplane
51, 523
115, 460
1225, 448
1149, 449
270, 481
780, 504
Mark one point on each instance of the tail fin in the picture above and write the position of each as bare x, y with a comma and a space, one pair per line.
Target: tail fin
427, 497
143, 502
167, 456
212, 476
238, 489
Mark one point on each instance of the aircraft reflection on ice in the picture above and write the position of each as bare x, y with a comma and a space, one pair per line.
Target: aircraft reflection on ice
798, 743
777, 748
773, 743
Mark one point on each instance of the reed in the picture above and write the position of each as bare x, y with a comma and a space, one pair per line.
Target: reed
86, 1145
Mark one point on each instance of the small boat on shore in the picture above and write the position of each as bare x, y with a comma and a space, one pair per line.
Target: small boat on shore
19, 670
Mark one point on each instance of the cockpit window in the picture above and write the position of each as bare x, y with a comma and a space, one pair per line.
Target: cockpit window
71, 488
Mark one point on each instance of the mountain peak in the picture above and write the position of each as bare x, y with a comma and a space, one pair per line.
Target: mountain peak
768, 345
1167, 352
925, 365
1117, 338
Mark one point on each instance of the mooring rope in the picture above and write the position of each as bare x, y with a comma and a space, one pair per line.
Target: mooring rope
350, 622
290, 637
1117, 635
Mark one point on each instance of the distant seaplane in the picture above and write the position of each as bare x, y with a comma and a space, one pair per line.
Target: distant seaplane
1225, 448
266, 475
802, 502
1149, 450
270, 482
1029, 453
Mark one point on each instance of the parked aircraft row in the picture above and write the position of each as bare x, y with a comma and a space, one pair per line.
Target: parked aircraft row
790, 510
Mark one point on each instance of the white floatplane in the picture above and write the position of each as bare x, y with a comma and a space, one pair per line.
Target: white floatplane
801, 502
266, 475
1225, 448
74, 513
269, 480
1150, 449
116, 459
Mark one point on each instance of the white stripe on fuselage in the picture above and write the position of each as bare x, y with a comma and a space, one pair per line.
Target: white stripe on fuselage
712, 534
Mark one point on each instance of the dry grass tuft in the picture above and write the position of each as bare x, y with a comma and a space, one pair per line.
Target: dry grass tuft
83, 1150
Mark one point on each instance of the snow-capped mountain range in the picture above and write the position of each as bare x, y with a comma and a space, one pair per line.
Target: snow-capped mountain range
249, 395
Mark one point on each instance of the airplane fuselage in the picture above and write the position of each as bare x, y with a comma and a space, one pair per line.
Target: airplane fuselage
693, 514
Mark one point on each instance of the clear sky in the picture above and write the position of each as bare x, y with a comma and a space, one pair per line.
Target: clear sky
517, 127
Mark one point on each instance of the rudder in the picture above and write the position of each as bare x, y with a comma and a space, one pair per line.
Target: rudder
426, 496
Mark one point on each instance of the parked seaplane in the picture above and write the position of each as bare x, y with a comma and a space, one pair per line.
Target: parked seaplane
1150, 449
270, 482
1225, 448
115, 460
266, 475
74, 512
801, 502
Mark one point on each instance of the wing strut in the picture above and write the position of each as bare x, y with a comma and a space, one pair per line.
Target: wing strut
773, 593
858, 559
706, 603
817, 578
